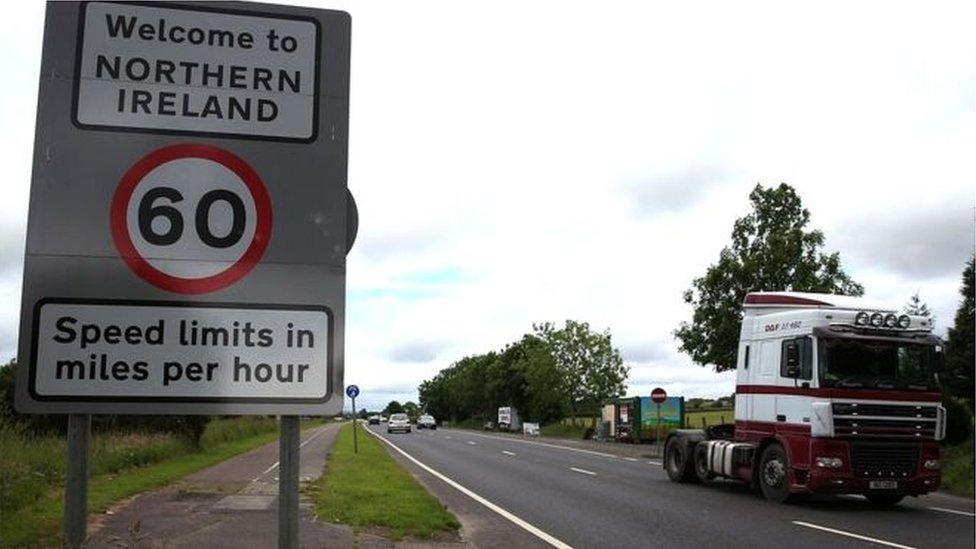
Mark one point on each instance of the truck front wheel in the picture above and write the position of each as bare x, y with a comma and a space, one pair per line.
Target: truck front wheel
677, 460
774, 478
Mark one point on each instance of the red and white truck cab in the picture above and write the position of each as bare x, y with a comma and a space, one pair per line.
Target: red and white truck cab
834, 394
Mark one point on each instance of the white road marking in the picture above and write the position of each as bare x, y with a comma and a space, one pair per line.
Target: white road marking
630, 459
507, 453
513, 439
654, 462
584, 471
852, 535
551, 540
953, 511
275, 464
472, 443
448, 437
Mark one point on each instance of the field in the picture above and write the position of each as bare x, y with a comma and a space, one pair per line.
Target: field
32, 470
370, 490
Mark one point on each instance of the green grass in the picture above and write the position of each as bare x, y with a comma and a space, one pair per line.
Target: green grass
562, 430
693, 418
370, 490
121, 466
957, 469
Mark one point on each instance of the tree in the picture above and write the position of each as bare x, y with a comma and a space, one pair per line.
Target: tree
590, 366
393, 407
917, 307
771, 250
960, 358
411, 409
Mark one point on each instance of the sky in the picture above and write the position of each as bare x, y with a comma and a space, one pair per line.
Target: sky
544, 161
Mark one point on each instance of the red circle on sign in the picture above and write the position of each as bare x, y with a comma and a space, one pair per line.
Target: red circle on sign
658, 395
183, 285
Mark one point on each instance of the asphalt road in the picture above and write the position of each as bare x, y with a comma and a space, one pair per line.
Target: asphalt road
590, 499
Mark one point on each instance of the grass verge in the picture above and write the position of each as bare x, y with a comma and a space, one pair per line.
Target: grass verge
957, 469
37, 523
371, 490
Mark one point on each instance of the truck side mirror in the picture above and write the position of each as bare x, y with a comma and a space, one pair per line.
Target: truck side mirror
792, 351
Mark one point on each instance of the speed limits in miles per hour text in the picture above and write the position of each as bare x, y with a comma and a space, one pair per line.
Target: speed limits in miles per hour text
207, 352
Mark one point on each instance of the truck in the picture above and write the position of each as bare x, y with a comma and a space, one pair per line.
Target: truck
508, 419
834, 395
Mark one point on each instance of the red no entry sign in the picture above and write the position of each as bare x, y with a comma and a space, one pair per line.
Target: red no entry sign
658, 395
191, 218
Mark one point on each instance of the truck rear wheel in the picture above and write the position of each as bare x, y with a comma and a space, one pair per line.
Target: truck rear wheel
677, 460
774, 478
884, 500
701, 464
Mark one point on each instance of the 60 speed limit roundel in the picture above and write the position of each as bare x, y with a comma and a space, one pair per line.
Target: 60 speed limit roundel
191, 218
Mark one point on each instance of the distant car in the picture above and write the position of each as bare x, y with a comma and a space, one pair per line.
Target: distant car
398, 422
382, 419
374, 420
426, 421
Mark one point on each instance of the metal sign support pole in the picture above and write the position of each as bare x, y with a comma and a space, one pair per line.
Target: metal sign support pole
76, 480
659, 430
355, 441
288, 445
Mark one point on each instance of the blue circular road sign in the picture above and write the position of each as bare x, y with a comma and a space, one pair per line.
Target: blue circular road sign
352, 391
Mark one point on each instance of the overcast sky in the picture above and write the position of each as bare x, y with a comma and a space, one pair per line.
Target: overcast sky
523, 162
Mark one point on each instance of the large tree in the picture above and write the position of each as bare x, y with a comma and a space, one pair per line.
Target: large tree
591, 367
960, 360
772, 250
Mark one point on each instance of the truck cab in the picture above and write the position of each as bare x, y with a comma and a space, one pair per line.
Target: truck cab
834, 394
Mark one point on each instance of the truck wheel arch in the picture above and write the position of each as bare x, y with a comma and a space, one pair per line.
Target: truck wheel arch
765, 443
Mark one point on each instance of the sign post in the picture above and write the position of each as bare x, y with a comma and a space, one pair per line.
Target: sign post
352, 392
189, 221
658, 395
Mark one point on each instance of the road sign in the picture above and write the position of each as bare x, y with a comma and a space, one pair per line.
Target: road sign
189, 215
352, 391
658, 395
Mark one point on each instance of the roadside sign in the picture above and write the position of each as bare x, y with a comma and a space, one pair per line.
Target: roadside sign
352, 391
658, 395
189, 215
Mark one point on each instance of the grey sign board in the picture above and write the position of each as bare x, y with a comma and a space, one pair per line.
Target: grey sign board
188, 222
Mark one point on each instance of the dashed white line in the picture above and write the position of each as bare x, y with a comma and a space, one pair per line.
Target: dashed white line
269, 469
472, 443
584, 471
630, 459
513, 439
653, 462
852, 535
551, 540
448, 437
507, 453
953, 511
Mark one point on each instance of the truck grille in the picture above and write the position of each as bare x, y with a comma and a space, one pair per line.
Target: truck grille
884, 461
856, 420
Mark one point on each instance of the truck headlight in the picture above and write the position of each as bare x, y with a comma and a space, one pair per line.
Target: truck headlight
829, 462
932, 464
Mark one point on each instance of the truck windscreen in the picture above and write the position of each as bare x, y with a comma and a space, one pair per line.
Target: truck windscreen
877, 364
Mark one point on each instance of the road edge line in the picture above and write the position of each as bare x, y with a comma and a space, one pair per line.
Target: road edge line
852, 535
551, 540
953, 511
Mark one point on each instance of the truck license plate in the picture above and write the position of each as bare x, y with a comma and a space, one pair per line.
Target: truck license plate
883, 484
